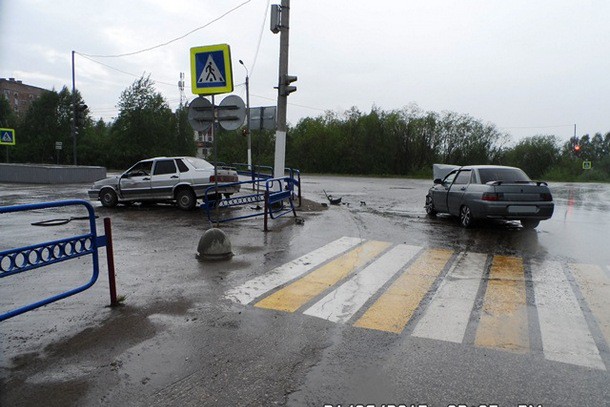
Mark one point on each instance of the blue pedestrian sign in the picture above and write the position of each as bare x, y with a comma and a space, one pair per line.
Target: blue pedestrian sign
211, 71
7, 137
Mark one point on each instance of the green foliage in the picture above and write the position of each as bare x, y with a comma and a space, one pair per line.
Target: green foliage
8, 120
46, 122
535, 155
145, 127
398, 142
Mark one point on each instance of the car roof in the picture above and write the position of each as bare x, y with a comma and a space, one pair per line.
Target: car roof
169, 158
477, 167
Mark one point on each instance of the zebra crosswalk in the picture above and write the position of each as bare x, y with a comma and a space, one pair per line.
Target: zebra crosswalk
437, 293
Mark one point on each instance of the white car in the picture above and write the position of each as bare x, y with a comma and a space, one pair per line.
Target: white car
166, 179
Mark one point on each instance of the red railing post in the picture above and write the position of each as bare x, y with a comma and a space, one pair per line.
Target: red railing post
110, 259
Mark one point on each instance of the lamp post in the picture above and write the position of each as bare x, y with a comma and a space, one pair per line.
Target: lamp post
248, 116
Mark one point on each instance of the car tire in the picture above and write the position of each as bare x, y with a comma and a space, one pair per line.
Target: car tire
529, 223
430, 207
466, 219
108, 198
186, 199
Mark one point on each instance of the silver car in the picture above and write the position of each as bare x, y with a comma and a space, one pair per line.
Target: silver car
165, 179
489, 192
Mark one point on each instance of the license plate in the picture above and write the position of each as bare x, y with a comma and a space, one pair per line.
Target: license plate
522, 209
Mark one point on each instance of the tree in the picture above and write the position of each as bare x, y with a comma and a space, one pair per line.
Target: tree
535, 155
7, 120
145, 126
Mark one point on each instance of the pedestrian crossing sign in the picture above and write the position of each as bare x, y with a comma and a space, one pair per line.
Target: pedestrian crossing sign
211, 71
7, 137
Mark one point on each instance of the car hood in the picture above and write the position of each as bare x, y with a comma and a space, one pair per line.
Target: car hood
107, 181
440, 171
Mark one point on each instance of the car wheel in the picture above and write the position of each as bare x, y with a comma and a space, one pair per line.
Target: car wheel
529, 223
186, 199
466, 216
430, 206
108, 198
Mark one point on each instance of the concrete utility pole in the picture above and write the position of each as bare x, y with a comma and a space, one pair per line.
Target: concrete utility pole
248, 117
73, 127
282, 98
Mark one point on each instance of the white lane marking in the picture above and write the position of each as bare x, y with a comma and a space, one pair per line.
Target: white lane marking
342, 303
446, 318
256, 287
565, 335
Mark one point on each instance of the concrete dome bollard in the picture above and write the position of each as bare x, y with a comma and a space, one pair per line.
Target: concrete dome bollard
214, 245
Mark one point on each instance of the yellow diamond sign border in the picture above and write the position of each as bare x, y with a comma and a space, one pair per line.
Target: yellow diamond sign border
202, 70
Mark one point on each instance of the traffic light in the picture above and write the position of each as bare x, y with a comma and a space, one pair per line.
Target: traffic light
80, 114
577, 148
285, 87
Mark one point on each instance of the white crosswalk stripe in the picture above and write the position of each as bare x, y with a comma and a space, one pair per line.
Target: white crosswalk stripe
565, 334
447, 315
256, 287
341, 304
339, 296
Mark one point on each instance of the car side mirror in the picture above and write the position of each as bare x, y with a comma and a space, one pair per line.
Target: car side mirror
438, 181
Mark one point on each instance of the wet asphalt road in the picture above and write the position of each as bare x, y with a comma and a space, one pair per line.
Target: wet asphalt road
178, 339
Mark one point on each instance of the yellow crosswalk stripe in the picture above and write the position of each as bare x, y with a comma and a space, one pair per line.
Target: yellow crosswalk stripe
393, 310
294, 296
504, 322
595, 287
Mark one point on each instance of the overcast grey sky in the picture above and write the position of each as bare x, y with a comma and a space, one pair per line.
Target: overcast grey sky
530, 67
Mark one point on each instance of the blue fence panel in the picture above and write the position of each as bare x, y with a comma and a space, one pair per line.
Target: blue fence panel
280, 195
284, 191
28, 258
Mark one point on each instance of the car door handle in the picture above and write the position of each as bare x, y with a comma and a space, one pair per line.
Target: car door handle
463, 189
174, 176
146, 179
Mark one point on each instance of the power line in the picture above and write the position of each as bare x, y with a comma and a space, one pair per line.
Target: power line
121, 71
170, 41
538, 127
291, 104
260, 37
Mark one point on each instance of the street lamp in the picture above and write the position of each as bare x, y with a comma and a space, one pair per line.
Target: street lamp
248, 116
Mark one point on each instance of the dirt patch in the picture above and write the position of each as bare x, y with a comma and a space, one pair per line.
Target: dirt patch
311, 206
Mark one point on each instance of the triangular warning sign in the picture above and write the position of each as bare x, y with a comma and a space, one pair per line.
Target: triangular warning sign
6, 137
210, 73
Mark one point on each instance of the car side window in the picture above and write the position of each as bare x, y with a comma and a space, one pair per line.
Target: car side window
141, 169
463, 178
449, 178
164, 167
182, 166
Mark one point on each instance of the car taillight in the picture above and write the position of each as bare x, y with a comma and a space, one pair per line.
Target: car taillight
493, 196
546, 196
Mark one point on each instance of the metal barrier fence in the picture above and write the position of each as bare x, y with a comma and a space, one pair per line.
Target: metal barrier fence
262, 173
276, 191
23, 259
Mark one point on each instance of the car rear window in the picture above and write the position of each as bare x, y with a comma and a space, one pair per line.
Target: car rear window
199, 163
502, 174
182, 166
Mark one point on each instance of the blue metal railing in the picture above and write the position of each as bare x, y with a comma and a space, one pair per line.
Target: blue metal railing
276, 191
31, 257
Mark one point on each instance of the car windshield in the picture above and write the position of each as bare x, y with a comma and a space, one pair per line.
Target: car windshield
199, 163
512, 175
